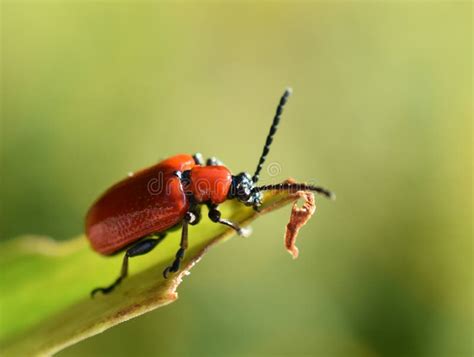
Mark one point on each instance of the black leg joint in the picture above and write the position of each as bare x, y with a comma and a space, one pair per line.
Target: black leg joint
198, 159
213, 161
190, 217
175, 266
180, 254
214, 215
193, 216
142, 247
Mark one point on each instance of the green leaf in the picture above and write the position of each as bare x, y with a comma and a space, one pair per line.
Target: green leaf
45, 284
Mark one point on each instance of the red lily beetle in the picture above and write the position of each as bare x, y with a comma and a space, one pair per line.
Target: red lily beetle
135, 214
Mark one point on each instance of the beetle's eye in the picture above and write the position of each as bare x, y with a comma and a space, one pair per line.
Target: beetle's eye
243, 191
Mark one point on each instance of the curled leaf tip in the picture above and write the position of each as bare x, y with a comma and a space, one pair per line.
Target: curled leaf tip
298, 218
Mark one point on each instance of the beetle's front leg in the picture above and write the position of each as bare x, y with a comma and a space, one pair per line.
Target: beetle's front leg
215, 216
189, 218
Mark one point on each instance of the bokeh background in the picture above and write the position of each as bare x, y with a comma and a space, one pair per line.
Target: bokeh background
381, 114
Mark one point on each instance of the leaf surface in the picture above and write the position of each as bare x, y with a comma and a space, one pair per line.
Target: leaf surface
45, 284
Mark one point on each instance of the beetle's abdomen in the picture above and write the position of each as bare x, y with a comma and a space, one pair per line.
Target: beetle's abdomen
149, 201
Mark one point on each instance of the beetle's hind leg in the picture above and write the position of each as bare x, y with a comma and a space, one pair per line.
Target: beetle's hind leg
142, 247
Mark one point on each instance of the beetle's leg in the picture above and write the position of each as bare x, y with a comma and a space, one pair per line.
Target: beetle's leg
142, 247
196, 211
198, 159
215, 216
189, 218
213, 161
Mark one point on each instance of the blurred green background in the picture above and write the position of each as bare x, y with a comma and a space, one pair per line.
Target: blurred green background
381, 114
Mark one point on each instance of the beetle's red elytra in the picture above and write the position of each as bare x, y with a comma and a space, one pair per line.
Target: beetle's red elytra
128, 211
135, 213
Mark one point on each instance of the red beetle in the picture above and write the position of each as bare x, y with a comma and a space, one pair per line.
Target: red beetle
136, 213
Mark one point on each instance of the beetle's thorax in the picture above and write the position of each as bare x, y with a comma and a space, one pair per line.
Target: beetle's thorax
208, 184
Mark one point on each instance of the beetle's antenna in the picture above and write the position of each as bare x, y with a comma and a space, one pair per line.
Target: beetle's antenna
272, 132
294, 187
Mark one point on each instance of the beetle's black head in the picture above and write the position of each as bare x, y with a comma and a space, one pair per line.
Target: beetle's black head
242, 189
